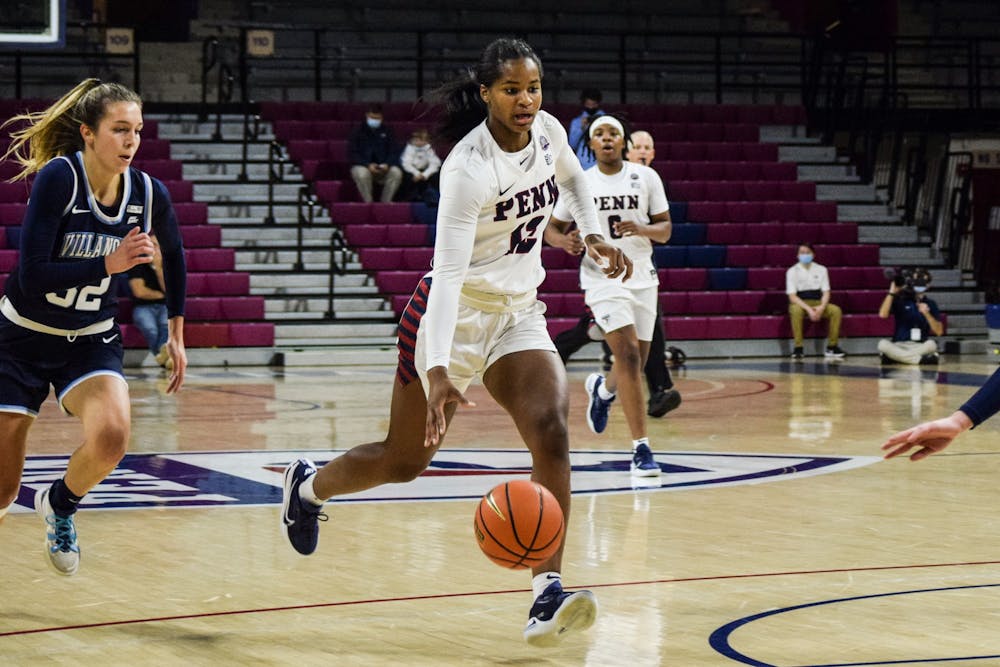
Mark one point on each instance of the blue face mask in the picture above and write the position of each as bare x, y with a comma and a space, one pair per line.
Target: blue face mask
919, 289
374, 123
805, 258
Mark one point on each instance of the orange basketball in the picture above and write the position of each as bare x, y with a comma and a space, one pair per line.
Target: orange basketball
519, 524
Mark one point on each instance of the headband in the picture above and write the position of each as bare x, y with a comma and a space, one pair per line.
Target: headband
605, 120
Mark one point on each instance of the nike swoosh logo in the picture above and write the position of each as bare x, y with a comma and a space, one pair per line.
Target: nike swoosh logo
80, 210
109, 339
504, 191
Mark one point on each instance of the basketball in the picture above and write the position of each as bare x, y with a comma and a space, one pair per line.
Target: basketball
519, 524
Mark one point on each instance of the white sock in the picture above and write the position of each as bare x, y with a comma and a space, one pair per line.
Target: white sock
3, 512
306, 492
640, 441
541, 581
603, 392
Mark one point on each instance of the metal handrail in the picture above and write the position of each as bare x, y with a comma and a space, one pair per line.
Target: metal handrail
338, 244
306, 206
275, 174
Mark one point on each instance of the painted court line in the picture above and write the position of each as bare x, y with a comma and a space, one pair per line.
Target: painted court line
412, 598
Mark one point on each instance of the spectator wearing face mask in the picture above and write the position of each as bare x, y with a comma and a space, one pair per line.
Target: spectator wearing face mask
807, 285
374, 157
579, 127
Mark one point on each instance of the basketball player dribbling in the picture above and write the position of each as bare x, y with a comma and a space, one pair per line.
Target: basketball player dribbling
476, 313
88, 219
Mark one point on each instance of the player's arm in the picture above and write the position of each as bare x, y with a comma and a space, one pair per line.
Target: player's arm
140, 290
462, 198
51, 197
174, 280
659, 229
580, 203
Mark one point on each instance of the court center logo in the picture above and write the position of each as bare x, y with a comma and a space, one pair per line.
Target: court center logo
211, 479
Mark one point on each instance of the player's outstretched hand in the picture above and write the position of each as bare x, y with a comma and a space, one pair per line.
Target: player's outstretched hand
135, 248
441, 392
928, 438
611, 259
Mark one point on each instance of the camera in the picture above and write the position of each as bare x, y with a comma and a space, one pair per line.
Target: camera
907, 279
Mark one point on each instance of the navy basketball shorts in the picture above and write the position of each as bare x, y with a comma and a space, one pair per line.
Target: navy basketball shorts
31, 361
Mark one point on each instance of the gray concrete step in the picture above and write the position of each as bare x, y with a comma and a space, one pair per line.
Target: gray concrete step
887, 234
841, 192
208, 150
786, 134
219, 171
276, 236
239, 213
251, 191
823, 154
910, 255
867, 213
318, 334
828, 173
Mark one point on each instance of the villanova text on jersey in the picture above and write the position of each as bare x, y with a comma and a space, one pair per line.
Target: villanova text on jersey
528, 201
85, 245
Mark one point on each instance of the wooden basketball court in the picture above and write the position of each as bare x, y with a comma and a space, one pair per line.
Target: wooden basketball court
780, 538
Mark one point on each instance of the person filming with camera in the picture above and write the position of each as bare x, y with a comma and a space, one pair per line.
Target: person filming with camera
917, 318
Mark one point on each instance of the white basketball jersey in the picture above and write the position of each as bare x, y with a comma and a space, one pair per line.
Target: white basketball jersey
634, 193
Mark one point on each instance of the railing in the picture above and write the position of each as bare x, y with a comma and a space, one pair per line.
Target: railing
275, 174
61, 70
306, 206
338, 245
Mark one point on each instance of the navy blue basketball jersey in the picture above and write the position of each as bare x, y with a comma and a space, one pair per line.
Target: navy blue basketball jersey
61, 281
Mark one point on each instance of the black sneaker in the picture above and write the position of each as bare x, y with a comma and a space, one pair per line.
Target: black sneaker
299, 519
798, 353
887, 360
835, 352
929, 360
557, 612
662, 402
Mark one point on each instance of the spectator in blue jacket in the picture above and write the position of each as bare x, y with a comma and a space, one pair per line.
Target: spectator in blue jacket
375, 157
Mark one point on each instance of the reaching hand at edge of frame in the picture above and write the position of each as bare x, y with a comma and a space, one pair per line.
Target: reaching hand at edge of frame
440, 393
611, 259
930, 437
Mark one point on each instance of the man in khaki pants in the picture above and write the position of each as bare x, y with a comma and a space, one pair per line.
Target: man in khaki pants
808, 287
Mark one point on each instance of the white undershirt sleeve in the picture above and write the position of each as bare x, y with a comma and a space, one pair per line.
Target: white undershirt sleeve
575, 192
462, 198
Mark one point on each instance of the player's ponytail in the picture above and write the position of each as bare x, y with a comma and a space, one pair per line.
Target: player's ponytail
56, 130
464, 108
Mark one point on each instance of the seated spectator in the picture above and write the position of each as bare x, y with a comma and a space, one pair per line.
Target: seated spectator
916, 317
579, 127
420, 168
807, 285
374, 157
149, 305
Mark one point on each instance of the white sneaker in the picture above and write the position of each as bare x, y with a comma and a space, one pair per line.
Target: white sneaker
60, 537
557, 612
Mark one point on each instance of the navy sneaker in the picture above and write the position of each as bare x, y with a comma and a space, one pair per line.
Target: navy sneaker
643, 463
60, 537
299, 518
598, 408
557, 612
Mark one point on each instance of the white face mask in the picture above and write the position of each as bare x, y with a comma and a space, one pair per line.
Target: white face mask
374, 123
805, 258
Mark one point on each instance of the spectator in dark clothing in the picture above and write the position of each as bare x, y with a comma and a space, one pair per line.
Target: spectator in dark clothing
374, 157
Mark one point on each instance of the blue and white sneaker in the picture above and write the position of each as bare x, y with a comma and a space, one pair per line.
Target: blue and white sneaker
299, 518
643, 463
60, 537
556, 613
598, 408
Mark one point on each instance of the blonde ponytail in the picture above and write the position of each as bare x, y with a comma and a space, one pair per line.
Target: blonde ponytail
56, 130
